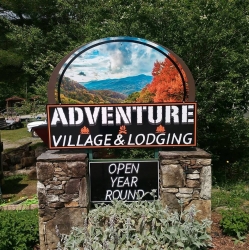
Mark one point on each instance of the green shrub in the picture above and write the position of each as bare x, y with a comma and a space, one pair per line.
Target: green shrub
137, 225
234, 222
18, 229
230, 195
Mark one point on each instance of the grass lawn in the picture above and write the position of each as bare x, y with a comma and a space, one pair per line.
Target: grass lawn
231, 196
13, 139
14, 135
16, 187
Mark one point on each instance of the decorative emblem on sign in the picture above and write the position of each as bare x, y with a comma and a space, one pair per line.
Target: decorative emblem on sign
122, 130
160, 129
84, 130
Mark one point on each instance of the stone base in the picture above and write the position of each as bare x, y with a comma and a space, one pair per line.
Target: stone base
186, 176
62, 189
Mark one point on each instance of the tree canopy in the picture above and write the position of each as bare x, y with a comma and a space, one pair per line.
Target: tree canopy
210, 36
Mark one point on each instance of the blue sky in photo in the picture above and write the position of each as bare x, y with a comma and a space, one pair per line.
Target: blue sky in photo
111, 59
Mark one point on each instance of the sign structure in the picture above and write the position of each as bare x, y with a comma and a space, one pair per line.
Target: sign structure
122, 125
121, 92
122, 180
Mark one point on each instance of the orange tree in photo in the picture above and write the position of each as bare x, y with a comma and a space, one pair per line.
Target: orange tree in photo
145, 96
167, 84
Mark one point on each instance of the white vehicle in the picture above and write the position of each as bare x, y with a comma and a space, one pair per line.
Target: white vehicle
31, 125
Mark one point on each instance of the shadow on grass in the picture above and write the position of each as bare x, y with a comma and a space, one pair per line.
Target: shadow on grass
13, 184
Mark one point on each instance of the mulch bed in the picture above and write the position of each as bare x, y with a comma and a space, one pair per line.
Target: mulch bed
221, 241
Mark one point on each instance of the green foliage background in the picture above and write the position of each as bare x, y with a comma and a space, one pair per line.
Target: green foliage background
19, 229
210, 36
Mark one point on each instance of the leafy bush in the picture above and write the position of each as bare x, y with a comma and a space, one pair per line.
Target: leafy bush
18, 229
231, 172
234, 222
137, 225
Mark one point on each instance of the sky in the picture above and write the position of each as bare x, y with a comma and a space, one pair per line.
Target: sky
111, 59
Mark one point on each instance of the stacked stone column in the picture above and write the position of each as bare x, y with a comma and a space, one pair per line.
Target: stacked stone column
186, 176
62, 192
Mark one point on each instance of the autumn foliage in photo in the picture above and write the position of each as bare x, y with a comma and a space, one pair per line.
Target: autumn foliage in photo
167, 84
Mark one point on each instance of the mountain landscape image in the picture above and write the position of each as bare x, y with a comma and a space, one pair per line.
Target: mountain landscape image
103, 91
72, 92
129, 71
126, 86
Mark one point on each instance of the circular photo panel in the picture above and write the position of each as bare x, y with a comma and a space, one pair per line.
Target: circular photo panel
121, 70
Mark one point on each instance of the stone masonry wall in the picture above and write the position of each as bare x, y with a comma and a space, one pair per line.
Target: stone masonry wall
186, 175
62, 189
